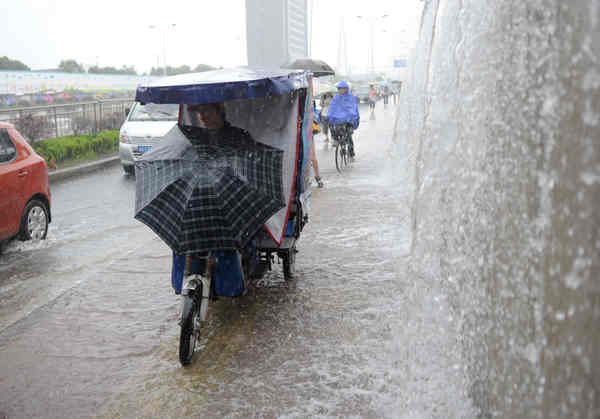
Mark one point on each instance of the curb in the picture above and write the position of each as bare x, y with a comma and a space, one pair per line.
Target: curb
69, 172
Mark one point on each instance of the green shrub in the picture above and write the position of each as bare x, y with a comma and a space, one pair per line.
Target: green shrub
73, 147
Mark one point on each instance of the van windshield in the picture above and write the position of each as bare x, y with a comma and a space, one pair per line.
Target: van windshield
154, 112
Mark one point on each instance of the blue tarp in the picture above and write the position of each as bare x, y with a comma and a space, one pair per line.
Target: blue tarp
177, 272
228, 273
222, 85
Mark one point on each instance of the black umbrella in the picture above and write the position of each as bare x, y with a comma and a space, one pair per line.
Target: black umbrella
216, 197
317, 67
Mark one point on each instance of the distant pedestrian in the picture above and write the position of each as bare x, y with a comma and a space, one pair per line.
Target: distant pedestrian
386, 95
397, 90
372, 98
325, 101
313, 154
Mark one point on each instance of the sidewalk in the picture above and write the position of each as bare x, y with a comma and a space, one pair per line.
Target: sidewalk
61, 174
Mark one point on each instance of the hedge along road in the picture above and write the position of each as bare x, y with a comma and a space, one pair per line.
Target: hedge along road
334, 342
86, 147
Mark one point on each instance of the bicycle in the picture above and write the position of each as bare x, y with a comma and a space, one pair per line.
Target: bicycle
342, 136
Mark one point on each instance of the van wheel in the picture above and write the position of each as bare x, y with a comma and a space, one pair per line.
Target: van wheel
34, 223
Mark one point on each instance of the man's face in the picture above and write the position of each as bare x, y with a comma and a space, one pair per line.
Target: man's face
208, 115
342, 90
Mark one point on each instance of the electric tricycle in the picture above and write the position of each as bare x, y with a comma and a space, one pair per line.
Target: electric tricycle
229, 187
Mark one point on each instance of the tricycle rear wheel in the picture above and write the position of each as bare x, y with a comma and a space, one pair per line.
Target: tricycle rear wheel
289, 263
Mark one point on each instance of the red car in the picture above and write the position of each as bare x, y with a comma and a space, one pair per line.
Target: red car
24, 188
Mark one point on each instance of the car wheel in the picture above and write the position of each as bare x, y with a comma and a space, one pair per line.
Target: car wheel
34, 223
129, 170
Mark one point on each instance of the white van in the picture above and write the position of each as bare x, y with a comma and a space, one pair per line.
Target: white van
144, 127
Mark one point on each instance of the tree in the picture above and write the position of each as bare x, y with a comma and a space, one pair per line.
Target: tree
8, 64
128, 70
70, 66
171, 71
112, 70
156, 71
203, 67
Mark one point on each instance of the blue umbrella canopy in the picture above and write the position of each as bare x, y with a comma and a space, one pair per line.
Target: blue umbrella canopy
222, 85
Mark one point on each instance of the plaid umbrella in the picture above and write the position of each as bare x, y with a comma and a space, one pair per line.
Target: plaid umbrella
212, 198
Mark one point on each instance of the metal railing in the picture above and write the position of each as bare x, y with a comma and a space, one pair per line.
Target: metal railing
43, 122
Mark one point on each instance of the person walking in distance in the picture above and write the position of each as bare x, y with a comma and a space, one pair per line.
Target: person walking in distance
372, 100
325, 101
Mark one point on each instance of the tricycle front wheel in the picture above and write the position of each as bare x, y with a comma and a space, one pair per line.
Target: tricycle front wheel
189, 324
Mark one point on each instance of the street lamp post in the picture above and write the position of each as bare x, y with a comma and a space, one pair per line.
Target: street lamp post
164, 30
371, 53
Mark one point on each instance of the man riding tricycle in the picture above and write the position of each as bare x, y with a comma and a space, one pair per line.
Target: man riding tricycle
228, 188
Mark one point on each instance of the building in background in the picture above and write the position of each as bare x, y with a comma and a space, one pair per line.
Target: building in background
277, 31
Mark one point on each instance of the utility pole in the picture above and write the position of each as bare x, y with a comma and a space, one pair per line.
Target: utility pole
311, 6
372, 47
164, 30
372, 20
342, 64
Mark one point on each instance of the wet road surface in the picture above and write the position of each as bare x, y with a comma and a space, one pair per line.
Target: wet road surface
353, 335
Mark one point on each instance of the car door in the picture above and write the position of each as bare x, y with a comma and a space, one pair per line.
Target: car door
10, 186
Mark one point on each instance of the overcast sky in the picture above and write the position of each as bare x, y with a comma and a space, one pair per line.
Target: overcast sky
40, 33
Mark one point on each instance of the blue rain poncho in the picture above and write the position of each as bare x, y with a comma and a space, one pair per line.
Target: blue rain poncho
344, 108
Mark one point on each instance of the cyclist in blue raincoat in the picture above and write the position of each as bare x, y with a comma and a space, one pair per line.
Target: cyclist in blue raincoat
343, 113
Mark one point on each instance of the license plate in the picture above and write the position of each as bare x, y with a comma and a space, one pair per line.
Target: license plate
144, 148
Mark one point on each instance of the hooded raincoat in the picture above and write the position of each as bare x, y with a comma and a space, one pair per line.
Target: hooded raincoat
344, 108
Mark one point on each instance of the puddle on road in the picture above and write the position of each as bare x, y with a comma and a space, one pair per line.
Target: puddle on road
340, 340
316, 345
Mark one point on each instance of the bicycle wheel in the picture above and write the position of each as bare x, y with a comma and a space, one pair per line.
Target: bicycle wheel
189, 321
338, 157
